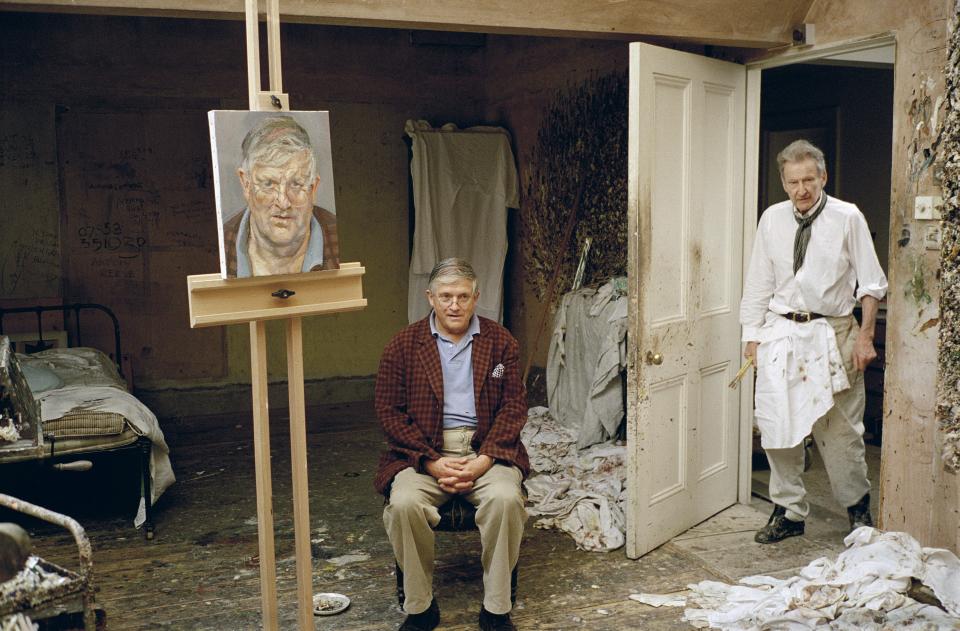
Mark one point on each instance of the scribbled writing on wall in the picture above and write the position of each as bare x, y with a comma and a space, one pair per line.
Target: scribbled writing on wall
18, 151
33, 258
110, 237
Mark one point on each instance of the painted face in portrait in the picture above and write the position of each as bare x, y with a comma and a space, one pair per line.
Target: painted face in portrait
280, 198
803, 183
454, 304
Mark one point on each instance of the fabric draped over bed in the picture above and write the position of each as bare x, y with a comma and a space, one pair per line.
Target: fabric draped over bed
91, 384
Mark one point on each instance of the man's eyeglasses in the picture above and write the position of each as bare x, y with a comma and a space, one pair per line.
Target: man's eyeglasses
448, 299
296, 192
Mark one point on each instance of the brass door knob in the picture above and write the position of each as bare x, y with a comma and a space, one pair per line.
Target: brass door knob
654, 358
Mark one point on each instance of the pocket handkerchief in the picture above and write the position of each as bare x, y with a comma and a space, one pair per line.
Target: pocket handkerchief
497, 371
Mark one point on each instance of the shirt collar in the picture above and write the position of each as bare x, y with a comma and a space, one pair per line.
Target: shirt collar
312, 257
472, 330
796, 213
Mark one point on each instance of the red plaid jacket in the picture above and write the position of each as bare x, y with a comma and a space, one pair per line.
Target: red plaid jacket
409, 399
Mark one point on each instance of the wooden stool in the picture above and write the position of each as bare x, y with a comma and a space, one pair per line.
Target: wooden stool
458, 515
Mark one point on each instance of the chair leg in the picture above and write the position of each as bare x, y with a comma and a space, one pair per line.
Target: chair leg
401, 596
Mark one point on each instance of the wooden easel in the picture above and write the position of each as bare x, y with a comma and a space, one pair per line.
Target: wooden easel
216, 302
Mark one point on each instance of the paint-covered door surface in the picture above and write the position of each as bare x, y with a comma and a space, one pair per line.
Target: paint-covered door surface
686, 162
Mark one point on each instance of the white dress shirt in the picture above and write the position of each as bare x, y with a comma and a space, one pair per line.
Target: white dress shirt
840, 259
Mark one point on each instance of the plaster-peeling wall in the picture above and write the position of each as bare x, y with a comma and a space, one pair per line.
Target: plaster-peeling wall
948, 382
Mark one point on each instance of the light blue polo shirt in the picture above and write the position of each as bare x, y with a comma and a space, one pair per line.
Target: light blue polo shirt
456, 359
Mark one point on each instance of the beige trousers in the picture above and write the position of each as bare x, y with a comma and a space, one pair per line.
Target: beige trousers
839, 438
412, 512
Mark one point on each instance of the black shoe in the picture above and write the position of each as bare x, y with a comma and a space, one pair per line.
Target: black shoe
495, 621
778, 527
859, 513
423, 621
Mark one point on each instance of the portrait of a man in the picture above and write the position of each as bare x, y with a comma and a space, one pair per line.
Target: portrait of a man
274, 188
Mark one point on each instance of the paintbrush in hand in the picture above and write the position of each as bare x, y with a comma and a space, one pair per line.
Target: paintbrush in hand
740, 373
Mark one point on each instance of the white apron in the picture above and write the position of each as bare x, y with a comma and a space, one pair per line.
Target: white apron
799, 368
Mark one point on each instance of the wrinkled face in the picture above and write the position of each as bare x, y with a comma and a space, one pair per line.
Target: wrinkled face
454, 304
280, 199
803, 183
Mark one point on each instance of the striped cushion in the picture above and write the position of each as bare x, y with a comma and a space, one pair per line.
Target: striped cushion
85, 423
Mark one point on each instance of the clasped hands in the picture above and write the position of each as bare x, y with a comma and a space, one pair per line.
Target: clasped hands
457, 475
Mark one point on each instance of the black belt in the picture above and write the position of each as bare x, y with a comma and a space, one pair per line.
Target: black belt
802, 316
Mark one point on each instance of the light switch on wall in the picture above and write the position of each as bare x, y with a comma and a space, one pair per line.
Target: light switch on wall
927, 207
931, 238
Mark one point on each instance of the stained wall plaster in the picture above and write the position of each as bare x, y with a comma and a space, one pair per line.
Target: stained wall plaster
948, 378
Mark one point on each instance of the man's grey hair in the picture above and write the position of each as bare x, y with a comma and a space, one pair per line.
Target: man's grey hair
450, 271
800, 150
275, 140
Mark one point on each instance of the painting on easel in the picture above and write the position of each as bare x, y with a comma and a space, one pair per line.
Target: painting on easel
273, 176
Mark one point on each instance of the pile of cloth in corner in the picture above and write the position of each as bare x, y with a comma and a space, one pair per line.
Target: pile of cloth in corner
581, 492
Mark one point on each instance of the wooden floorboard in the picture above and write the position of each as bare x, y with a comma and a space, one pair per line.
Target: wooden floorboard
201, 570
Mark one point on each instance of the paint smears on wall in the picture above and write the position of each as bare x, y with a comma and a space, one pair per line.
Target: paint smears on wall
948, 378
916, 289
927, 133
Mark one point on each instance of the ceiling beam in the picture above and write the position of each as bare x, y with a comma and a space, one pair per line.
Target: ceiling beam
743, 23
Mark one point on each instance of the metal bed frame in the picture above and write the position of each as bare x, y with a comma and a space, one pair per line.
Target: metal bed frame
142, 445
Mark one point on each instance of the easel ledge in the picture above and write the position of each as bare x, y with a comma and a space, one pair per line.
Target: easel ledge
214, 301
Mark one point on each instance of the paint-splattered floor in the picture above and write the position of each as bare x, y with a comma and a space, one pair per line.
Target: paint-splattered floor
201, 570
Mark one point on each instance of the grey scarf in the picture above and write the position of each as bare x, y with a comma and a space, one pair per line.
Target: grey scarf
802, 237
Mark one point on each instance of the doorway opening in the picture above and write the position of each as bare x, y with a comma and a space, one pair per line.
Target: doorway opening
842, 103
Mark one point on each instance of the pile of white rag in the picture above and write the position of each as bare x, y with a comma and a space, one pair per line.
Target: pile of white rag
864, 589
582, 493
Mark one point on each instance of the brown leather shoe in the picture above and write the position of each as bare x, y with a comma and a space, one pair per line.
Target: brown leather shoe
423, 621
778, 527
495, 621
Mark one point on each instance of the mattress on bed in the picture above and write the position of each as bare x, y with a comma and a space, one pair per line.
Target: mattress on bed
80, 368
81, 423
93, 401
91, 443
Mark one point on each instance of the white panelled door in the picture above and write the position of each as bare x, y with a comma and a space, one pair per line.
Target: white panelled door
686, 184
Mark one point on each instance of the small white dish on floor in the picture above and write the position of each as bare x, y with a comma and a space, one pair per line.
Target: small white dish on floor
328, 604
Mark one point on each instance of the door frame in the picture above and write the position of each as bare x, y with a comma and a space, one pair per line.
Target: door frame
750, 195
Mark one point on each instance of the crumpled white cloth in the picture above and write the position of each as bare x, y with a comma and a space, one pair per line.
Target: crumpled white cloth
864, 588
91, 383
799, 368
585, 360
582, 493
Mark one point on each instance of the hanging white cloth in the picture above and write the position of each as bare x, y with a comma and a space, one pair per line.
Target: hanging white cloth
586, 358
463, 183
799, 368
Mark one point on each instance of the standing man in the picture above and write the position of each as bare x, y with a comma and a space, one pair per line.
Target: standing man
280, 231
451, 403
812, 259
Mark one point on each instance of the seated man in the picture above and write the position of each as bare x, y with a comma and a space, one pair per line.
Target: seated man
451, 402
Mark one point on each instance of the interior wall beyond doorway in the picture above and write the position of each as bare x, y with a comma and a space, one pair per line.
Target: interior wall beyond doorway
854, 108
